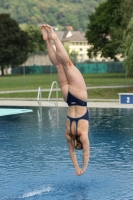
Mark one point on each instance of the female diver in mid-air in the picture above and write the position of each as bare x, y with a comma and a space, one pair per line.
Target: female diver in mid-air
75, 94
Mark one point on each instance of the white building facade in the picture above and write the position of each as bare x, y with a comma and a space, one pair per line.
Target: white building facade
75, 41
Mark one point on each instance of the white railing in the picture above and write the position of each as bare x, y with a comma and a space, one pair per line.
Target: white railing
39, 100
39, 96
56, 103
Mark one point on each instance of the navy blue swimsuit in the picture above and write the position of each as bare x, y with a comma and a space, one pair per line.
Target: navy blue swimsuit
73, 101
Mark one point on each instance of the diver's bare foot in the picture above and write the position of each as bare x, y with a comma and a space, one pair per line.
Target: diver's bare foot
44, 32
52, 34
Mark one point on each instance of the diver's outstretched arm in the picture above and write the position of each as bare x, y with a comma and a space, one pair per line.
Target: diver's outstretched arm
73, 156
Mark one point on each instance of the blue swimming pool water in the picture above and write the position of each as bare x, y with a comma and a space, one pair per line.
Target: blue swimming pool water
35, 163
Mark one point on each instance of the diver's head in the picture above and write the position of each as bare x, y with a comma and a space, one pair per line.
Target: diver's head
77, 143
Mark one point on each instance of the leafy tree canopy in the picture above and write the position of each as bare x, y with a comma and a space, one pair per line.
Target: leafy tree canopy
54, 12
126, 48
123, 34
106, 27
99, 33
36, 40
13, 43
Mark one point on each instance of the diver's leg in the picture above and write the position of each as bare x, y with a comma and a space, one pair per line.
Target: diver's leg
75, 79
62, 78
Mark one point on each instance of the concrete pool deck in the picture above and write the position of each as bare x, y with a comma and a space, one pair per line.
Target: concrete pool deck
44, 103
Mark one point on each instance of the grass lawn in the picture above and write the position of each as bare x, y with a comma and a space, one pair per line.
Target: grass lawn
100, 93
21, 82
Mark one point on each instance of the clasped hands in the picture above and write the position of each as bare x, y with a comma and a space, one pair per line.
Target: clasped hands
79, 172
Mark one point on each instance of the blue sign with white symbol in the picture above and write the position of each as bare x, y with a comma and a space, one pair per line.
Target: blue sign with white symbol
126, 98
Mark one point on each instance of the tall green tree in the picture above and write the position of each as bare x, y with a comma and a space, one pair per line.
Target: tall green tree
100, 32
126, 48
125, 35
118, 33
36, 40
13, 43
127, 12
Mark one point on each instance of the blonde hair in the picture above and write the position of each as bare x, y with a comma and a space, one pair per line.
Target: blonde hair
76, 143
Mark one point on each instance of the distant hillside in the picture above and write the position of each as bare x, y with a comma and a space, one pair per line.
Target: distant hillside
55, 12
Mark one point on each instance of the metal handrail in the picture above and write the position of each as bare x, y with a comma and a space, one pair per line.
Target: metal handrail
56, 103
39, 96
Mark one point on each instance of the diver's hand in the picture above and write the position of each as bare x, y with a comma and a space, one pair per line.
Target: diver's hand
79, 172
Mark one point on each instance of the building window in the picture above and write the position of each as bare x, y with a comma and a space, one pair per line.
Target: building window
81, 49
77, 43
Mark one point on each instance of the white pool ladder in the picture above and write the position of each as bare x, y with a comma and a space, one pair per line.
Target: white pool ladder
39, 100
56, 103
39, 96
